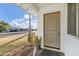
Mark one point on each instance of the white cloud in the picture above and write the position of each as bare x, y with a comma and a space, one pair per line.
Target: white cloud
18, 23
16, 19
22, 23
34, 25
26, 16
21, 19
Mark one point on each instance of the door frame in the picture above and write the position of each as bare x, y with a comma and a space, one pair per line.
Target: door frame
44, 29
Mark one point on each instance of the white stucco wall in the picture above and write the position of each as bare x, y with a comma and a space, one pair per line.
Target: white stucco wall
68, 44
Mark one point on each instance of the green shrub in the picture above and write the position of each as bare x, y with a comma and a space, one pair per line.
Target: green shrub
34, 39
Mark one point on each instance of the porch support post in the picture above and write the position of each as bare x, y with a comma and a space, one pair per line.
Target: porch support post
29, 34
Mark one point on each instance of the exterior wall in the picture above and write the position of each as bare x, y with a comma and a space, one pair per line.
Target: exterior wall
68, 44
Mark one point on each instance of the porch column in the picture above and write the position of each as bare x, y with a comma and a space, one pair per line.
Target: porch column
29, 34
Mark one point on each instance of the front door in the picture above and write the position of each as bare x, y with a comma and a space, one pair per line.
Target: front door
52, 30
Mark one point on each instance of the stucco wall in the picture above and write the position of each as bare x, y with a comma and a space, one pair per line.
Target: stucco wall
68, 44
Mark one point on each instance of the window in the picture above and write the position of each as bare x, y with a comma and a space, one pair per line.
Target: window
78, 19
72, 18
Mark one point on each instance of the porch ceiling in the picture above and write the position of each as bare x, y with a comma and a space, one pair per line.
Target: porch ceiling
40, 5
28, 7
36, 6
33, 8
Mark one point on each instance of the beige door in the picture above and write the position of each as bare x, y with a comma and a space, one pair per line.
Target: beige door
52, 29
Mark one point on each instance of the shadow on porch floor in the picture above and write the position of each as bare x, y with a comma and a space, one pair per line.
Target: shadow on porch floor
46, 52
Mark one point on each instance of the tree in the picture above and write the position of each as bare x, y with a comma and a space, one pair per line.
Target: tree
4, 26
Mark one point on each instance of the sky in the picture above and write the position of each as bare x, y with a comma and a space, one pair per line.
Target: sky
16, 16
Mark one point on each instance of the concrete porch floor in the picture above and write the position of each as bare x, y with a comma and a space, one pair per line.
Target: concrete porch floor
46, 52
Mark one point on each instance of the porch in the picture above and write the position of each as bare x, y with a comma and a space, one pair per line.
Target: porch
65, 44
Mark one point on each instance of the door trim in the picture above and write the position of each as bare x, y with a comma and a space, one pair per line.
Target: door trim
44, 29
